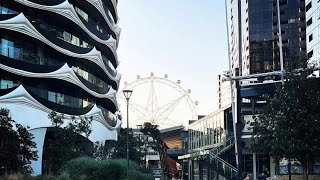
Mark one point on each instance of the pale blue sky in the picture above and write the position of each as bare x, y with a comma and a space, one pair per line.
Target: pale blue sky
185, 39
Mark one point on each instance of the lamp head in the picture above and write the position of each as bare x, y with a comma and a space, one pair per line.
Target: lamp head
127, 93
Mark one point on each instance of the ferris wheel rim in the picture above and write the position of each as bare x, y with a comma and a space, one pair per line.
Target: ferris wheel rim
163, 80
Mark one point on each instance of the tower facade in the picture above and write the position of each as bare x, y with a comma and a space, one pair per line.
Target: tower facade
313, 30
257, 26
60, 56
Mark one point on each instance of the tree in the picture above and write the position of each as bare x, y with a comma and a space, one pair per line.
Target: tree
16, 146
152, 131
289, 125
118, 149
65, 143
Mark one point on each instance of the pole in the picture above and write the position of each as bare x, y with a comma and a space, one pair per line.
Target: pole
127, 138
139, 150
232, 90
280, 43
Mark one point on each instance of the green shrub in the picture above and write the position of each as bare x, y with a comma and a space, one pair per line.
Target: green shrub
64, 176
110, 170
114, 169
81, 166
136, 175
46, 177
123, 162
16, 176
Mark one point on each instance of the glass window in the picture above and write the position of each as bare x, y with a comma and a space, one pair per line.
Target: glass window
52, 96
60, 98
6, 84
7, 48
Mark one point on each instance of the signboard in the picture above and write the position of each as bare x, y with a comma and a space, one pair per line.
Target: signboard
174, 151
157, 174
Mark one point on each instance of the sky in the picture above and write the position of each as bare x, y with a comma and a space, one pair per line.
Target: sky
185, 39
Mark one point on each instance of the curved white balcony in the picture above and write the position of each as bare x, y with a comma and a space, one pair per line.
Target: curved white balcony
99, 6
21, 24
20, 96
64, 73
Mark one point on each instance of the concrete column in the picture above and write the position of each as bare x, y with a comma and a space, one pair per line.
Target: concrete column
272, 167
254, 157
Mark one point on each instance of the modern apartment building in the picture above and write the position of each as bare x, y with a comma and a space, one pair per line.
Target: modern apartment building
60, 55
257, 27
224, 92
313, 30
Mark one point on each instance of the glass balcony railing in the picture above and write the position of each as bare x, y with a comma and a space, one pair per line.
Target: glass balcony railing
60, 98
16, 53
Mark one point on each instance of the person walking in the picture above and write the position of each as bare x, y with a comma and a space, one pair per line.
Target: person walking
262, 176
245, 176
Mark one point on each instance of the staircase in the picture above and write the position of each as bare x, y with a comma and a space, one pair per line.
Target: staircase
222, 167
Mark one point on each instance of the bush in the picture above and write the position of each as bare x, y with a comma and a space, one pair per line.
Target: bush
136, 175
46, 177
17, 176
110, 170
63, 176
89, 168
81, 166
123, 162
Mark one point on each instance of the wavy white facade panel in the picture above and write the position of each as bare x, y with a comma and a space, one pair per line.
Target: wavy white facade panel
67, 10
99, 133
39, 135
99, 6
19, 114
21, 24
64, 73
21, 97
115, 4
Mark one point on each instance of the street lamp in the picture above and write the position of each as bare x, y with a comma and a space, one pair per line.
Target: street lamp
139, 127
127, 95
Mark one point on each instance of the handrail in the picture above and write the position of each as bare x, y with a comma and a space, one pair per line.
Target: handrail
225, 142
226, 163
214, 153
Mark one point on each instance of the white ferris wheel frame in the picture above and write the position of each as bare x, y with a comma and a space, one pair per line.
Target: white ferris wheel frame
158, 115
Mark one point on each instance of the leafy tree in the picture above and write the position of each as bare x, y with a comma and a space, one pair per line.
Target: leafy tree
289, 125
65, 143
118, 149
16, 146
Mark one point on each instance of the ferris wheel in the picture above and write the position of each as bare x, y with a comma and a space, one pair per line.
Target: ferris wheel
159, 101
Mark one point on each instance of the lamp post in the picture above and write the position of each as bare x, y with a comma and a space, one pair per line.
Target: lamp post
145, 149
139, 127
127, 95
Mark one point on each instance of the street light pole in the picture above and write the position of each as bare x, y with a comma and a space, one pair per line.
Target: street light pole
127, 95
139, 127
280, 43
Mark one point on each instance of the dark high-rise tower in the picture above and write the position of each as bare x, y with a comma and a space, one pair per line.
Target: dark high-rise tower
60, 55
259, 34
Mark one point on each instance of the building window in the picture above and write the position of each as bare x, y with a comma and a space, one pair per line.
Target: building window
291, 20
309, 22
310, 37
309, 5
310, 54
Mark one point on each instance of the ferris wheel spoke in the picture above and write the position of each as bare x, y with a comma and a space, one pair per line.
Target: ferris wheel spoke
137, 111
149, 109
152, 103
170, 107
140, 108
172, 122
139, 121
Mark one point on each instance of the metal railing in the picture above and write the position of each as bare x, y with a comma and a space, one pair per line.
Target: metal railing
223, 167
